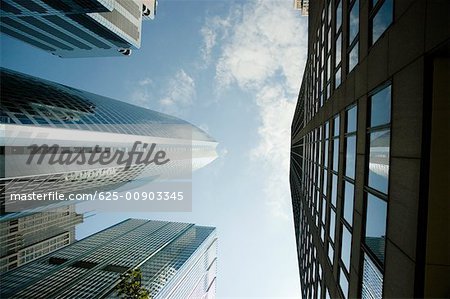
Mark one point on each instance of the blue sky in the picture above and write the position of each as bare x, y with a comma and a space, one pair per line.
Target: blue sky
234, 69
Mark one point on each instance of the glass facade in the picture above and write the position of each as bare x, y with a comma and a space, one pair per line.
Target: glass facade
78, 121
176, 259
77, 28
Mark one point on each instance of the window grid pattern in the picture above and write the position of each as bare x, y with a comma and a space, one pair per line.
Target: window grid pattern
376, 189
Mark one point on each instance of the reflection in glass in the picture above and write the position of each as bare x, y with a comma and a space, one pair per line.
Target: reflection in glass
334, 190
350, 156
349, 192
330, 253
353, 57
351, 119
339, 16
381, 107
336, 126
372, 281
332, 224
338, 50
335, 154
343, 283
354, 22
382, 20
337, 78
346, 246
325, 158
376, 226
379, 160
324, 185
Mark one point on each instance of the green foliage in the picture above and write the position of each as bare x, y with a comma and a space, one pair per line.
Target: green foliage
130, 286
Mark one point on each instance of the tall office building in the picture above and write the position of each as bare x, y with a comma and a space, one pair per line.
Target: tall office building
69, 28
369, 159
24, 239
177, 260
35, 111
302, 6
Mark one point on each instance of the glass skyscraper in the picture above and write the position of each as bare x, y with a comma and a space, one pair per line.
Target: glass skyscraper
367, 150
24, 239
68, 28
177, 260
36, 111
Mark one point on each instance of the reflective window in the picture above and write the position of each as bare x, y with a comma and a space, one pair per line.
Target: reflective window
338, 49
334, 189
379, 160
335, 154
353, 21
325, 159
382, 18
351, 120
346, 245
330, 253
375, 233
343, 283
381, 107
353, 57
349, 192
338, 16
350, 156
372, 280
337, 78
336, 126
332, 224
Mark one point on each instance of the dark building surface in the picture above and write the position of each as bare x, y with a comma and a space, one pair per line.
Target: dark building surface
369, 152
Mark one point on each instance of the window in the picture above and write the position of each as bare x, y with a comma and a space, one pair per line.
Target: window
353, 35
379, 160
343, 283
376, 195
350, 156
346, 246
349, 192
379, 140
381, 17
376, 214
338, 45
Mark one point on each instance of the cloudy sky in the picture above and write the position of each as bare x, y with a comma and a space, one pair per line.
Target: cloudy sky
234, 69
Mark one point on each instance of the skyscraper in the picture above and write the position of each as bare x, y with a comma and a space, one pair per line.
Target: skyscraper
24, 239
70, 28
367, 150
36, 111
177, 260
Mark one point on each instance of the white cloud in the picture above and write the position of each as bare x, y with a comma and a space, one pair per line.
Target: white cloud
179, 93
215, 29
176, 95
265, 55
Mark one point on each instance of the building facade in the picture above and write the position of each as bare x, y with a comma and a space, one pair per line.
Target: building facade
177, 260
36, 111
24, 239
71, 29
368, 153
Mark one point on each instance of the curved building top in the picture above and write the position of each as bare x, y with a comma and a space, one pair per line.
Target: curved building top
27, 100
